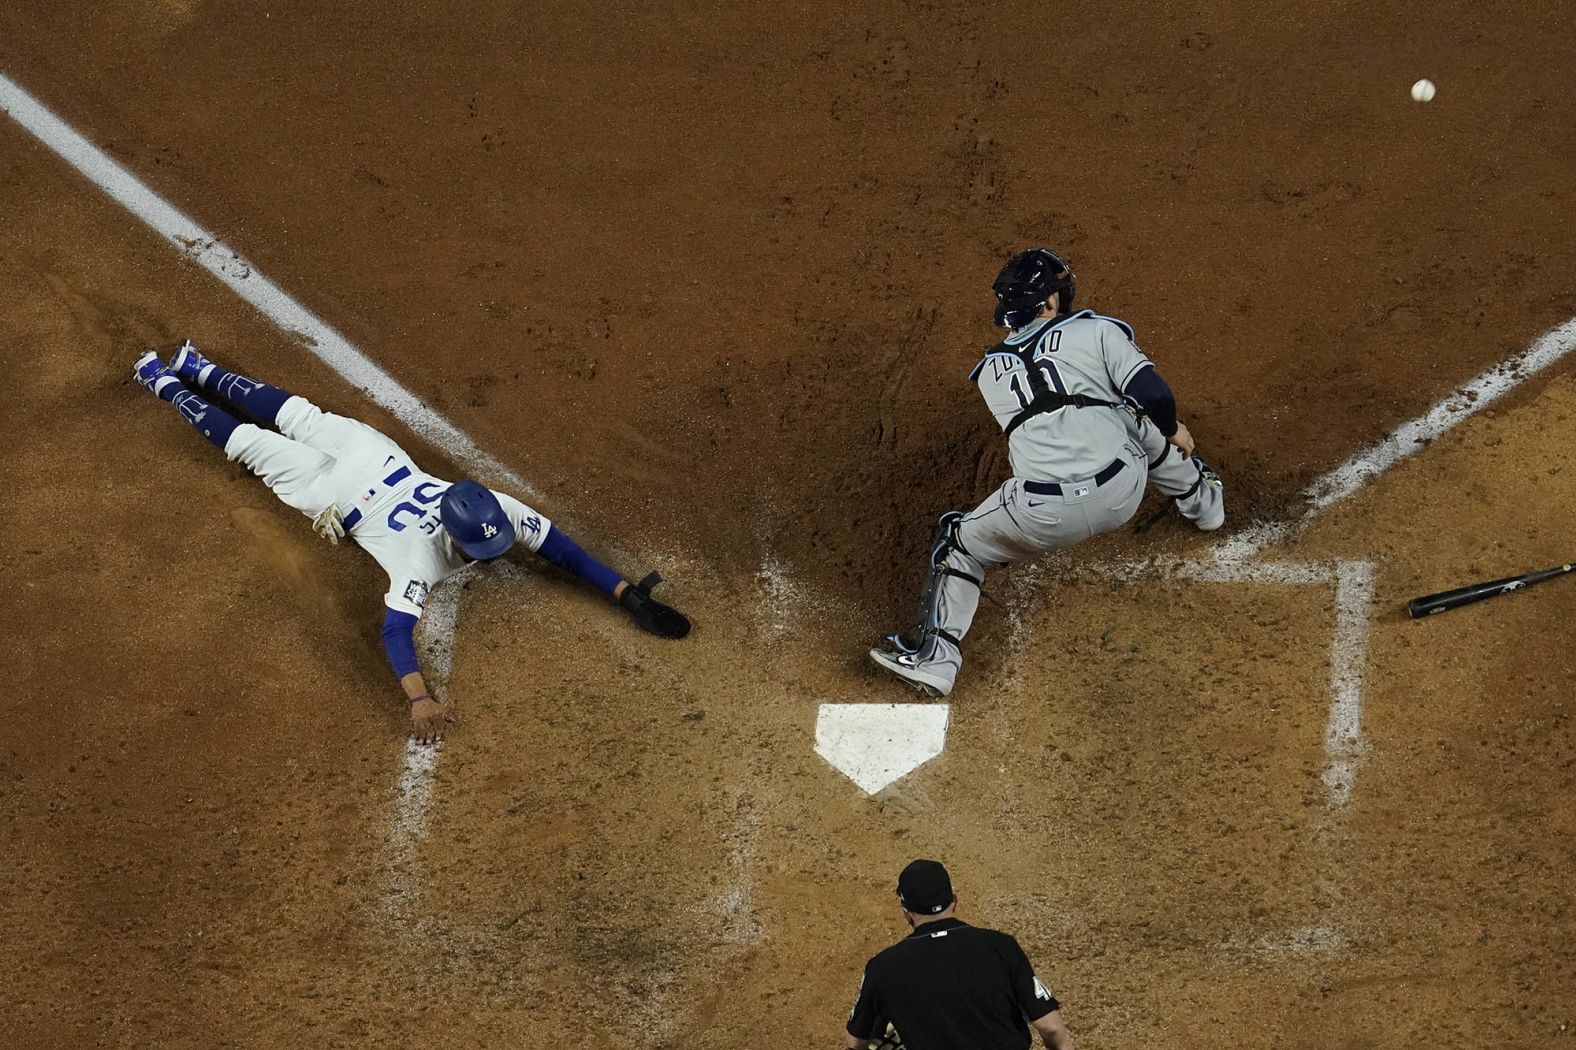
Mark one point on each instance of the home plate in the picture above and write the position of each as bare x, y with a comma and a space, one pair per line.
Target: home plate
876, 744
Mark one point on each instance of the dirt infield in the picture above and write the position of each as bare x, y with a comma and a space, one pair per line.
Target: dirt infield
712, 277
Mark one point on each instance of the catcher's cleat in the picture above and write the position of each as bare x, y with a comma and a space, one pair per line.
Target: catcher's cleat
149, 371
905, 666
188, 362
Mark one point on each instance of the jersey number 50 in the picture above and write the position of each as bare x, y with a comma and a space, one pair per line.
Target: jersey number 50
426, 500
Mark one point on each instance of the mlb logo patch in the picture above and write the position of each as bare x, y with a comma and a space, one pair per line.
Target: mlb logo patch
1081, 490
416, 593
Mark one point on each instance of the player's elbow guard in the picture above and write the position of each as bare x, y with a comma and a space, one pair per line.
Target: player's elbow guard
1154, 396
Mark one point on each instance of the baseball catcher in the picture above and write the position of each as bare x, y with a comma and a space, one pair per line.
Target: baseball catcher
355, 482
1087, 420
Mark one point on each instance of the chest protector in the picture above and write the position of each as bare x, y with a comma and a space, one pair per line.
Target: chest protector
1043, 398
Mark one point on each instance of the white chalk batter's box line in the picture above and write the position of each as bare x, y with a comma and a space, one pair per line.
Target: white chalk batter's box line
1235, 561
1353, 582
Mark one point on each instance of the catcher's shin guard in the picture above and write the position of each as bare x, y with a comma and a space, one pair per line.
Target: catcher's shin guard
922, 642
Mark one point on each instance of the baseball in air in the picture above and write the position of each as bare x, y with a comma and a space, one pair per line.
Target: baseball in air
1423, 91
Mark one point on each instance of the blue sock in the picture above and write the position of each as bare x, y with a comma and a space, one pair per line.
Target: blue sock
259, 400
213, 423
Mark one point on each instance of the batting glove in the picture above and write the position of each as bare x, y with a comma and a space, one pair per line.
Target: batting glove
330, 524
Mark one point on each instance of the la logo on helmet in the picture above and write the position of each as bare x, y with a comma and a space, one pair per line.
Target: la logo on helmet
489, 531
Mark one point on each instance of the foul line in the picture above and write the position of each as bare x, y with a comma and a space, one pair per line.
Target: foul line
1470, 399
205, 248
1409, 438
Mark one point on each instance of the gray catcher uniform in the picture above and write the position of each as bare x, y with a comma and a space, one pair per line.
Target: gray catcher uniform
1080, 455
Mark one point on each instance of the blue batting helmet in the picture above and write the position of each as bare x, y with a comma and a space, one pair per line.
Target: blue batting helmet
476, 520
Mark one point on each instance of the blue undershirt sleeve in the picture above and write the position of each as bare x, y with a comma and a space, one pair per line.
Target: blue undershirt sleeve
1155, 398
399, 641
565, 553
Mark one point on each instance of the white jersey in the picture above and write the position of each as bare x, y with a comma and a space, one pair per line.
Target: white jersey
1083, 353
395, 519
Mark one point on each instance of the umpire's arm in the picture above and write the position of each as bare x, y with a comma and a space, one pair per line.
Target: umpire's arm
1039, 1006
862, 1018
1055, 1034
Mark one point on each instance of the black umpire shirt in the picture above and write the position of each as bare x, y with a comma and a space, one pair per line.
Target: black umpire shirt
952, 986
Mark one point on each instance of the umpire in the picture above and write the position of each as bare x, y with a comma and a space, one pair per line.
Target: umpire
949, 985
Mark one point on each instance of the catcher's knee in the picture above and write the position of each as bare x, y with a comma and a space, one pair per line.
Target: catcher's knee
945, 539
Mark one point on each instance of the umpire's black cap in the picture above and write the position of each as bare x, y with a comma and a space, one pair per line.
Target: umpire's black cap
925, 888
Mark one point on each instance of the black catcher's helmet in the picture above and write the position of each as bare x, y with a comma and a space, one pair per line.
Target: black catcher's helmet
1028, 279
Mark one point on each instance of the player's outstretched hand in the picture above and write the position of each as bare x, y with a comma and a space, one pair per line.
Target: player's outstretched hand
428, 719
1182, 439
650, 615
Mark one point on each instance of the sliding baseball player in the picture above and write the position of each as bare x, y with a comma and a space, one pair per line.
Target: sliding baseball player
355, 482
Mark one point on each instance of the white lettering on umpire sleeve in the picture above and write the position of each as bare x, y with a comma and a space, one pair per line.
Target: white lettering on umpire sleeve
1040, 991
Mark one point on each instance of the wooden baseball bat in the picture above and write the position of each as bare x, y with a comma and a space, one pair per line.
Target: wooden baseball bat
1444, 601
